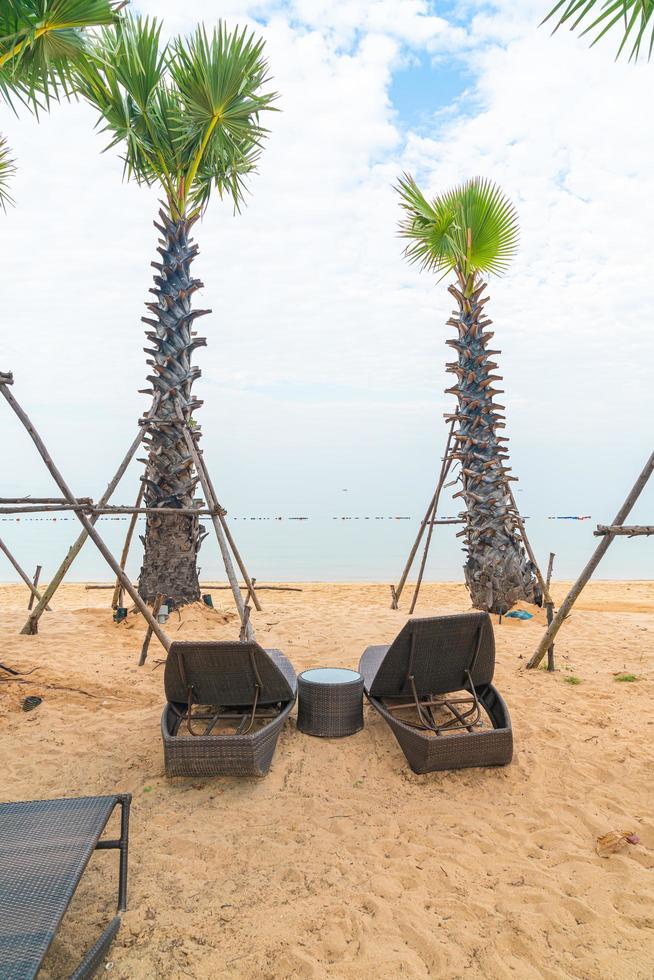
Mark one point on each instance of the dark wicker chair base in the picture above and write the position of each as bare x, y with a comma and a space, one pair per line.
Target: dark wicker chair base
220, 755
459, 750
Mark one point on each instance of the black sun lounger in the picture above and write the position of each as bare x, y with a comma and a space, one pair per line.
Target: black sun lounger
45, 847
227, 704
433, 686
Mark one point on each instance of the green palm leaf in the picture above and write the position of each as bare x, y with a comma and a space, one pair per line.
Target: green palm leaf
185, 114
471, 228
7, 168
634, 18
39, 39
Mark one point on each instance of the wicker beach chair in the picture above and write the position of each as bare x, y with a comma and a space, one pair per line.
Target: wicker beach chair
227, 704
433, 685
45, 846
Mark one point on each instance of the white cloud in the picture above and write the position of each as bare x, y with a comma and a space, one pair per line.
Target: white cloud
308, 288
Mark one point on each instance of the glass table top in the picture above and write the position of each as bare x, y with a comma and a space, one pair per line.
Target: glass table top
330, 675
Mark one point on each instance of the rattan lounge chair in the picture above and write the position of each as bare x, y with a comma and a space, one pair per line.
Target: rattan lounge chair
433, 686
45, 847
227, 704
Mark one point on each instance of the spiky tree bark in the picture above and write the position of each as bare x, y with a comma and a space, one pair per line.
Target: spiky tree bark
171, 543
497, 570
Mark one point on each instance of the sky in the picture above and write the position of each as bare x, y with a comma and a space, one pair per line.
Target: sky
323, 380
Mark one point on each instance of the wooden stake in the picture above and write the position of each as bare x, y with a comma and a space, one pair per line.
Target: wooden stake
246, 626
630, 531
228, 534
35, 582
525, 540
83, 519
156, 606
445, 469
31, 626
550, 612
594, 561
397, 591
116, 599
26, 579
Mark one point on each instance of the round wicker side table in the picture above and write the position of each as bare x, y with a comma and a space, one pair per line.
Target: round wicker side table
330, 702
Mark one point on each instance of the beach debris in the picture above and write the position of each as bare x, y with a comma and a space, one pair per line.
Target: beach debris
31, 702
518, 614
17, 673
615, 841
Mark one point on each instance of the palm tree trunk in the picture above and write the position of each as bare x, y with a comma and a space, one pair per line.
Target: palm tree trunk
172, 543
498, 572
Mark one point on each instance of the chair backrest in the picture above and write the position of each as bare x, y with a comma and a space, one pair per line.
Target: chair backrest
437, 651
225, 673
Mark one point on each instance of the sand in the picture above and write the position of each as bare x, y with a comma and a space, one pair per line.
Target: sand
342, 863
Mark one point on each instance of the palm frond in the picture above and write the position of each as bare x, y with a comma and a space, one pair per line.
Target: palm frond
39, 41
472, 228
7, 168
220, 80
123, 77
633, 18
185, 114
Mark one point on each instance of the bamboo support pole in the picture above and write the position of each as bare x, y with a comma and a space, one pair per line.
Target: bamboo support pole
98, 510
246, 626
83, 519
525, 540
592, 564
629, 530
396, 591
228, 534
156, 606
117, 598
42, 500
31, 626
25, 577
217, 588
35, 582
550, 611
445, 469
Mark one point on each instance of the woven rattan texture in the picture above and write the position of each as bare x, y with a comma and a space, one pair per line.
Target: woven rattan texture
44, 848
330, 710
230, 755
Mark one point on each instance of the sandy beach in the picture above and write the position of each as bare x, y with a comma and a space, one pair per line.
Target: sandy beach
342, 863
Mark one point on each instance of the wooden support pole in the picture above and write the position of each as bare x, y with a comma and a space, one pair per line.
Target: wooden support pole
629, 530
397, 590
525, 540
246, 626
83, 519
25, 577
550, 611
228, 534
116, 599
156, 606
445, 469
35, 582
42, 500
594, 561
217, 588
99, 510
31, 626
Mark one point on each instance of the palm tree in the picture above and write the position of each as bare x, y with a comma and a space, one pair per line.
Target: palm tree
39, 41
634, 18
470, 231
187, 118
